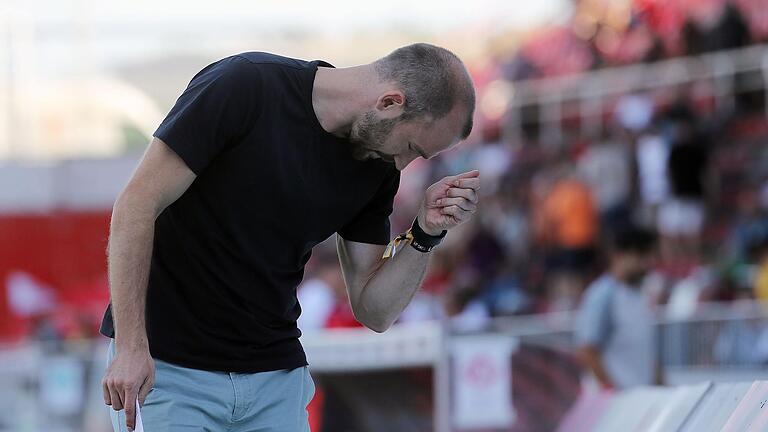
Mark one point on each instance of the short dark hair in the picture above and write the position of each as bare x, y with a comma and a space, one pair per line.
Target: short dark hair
632, 238
433, 80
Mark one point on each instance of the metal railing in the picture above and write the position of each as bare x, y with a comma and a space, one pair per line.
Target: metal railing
592, 92
56, 387
730, 335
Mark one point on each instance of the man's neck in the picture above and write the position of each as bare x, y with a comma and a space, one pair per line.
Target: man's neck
619, 275
339, 95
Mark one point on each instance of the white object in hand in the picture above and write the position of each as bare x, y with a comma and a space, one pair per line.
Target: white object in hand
139, 426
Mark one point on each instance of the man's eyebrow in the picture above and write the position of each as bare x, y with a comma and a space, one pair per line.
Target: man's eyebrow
421, 152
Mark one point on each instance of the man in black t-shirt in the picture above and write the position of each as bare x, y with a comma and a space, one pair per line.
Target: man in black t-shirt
261, 158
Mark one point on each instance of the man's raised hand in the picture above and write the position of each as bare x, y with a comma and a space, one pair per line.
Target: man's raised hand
449, 202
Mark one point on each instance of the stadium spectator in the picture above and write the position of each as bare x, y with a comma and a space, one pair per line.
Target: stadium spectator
713, 26
606, 167
651, 154
760, 278
614, 329
565, 224
681, 218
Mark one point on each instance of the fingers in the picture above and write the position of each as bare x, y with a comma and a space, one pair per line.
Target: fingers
130, 408
469, 194
455, 196
468, 180
461, 202
457, 212
468, 174
144, 391
105, 391
468, 183
114, 395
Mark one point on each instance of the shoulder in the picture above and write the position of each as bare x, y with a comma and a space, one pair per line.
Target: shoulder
600, 291
266, 59
251, 63
232, 70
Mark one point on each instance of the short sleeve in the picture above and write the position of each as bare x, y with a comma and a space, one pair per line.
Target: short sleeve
217, 109
371, 225
593, 321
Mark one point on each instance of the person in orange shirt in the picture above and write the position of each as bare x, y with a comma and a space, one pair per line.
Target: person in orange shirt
566, 226
760, 281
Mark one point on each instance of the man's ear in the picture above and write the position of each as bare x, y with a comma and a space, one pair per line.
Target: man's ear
391, 104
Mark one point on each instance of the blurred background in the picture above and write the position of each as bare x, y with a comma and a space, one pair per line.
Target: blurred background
592, 115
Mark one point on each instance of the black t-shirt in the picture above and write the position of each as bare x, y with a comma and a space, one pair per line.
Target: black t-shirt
271, 184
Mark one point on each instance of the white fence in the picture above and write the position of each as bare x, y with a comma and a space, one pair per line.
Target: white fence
56, 387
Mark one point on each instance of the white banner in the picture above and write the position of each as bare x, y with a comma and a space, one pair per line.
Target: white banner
482, 377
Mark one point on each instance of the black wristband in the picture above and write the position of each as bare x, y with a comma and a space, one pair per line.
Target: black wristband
422, 241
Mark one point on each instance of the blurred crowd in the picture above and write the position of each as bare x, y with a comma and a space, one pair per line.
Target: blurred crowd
545, 210
694, 174
612, 33
665, 160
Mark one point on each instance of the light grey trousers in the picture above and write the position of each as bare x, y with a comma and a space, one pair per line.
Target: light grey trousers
185, 399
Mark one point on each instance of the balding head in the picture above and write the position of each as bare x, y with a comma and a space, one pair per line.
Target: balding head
433, 80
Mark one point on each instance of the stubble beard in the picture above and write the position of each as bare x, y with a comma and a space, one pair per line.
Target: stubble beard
368, 136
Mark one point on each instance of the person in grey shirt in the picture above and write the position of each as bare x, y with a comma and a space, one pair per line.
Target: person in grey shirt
615, 327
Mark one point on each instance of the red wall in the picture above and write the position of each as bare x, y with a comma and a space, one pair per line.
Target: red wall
64, 250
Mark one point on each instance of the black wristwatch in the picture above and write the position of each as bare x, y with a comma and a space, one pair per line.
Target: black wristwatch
422, 241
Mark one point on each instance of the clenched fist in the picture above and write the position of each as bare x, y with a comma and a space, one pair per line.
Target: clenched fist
449, 202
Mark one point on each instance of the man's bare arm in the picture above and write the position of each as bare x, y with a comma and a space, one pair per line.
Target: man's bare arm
380, 289
590, 355
160, 179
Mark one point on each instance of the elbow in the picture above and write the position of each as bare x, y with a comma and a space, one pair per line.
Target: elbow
378, 327
582, 355
133, 204
587, 354
377, 324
